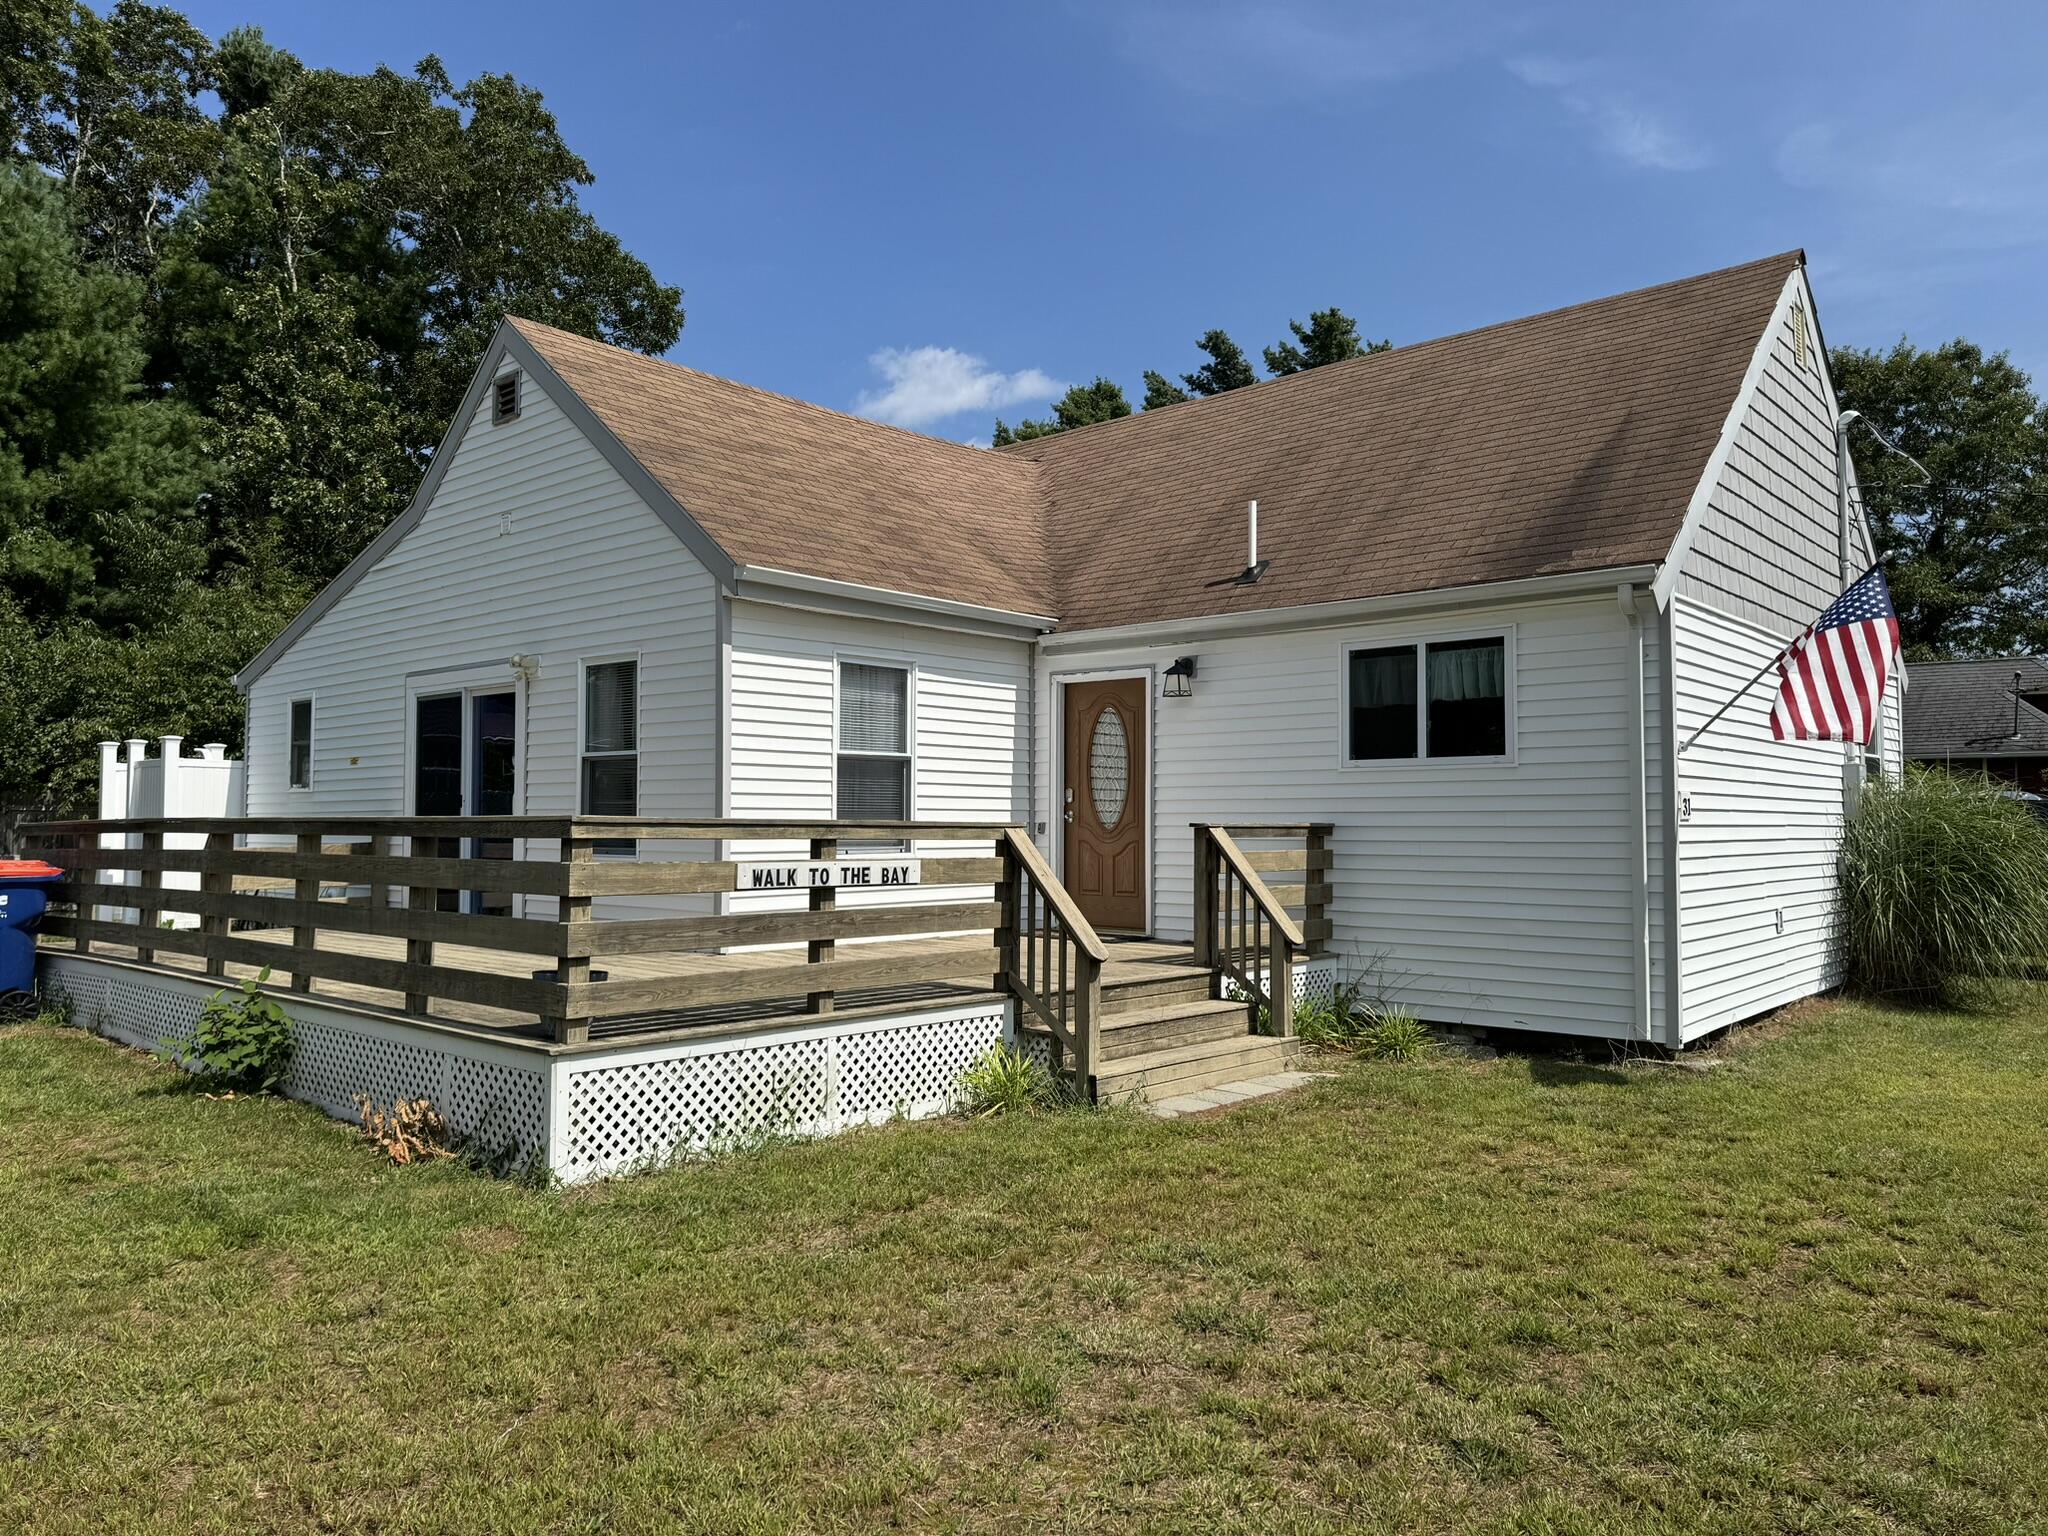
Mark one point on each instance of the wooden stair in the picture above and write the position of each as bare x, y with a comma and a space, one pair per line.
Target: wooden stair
1163, 1034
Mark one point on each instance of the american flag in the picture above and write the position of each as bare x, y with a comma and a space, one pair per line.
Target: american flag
1831, 679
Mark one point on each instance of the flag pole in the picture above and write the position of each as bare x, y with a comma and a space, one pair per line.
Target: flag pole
1736, 697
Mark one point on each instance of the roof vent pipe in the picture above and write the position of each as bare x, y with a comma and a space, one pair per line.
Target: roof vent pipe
1253, 558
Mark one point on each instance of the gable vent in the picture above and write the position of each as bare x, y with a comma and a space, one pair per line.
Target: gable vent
1799, 345
505, 398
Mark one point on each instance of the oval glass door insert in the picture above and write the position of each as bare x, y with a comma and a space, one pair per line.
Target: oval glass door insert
1109, 768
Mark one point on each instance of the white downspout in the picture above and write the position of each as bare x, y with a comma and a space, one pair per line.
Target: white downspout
1639, 793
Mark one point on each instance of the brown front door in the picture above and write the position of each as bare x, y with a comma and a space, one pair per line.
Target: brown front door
1105, 802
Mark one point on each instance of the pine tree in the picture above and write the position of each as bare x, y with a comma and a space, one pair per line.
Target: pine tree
1081, 406
1331, 336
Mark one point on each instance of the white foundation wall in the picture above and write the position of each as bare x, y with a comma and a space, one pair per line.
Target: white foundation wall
1501, 894
968, 729
533, 545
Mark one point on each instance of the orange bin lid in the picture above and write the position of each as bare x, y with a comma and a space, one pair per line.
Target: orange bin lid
28, 869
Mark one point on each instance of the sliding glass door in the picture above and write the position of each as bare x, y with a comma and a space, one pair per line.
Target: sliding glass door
466, 763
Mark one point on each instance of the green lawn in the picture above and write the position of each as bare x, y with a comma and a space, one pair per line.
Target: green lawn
1805, 1291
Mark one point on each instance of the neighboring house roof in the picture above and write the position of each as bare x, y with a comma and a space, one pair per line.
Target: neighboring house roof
1965, 708
1571, 441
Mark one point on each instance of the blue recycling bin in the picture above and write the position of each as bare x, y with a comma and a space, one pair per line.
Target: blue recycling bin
24, 894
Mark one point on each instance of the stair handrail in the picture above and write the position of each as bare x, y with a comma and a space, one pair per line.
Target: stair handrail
1227, 936
1040, 929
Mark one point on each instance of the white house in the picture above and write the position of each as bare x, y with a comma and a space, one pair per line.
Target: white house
1499, 578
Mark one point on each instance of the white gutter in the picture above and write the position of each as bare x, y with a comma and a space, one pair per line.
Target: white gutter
762, 583
1311, 615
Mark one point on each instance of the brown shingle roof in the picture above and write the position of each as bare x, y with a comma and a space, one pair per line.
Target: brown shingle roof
1568, 441
780, 483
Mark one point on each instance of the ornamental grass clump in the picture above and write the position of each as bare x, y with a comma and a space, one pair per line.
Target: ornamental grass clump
1006, 1081
1944, 883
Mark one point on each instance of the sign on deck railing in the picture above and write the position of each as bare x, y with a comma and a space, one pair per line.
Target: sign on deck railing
825, 874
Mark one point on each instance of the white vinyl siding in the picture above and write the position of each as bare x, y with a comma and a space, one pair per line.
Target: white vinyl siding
967, 724
533, 546
1758, 841
1758, 837
1500, 893
1768, 549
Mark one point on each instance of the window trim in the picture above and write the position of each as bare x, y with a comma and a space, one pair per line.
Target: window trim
615, 848
909, 668
1417, 640
311, 701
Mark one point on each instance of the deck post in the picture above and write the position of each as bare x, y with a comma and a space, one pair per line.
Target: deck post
1279, 982
217, 881
1315, 913
149, 880
1205, 897
379, 893
1006, 916
305, 935
572, 970
823, 899
420, 899
1087, 1022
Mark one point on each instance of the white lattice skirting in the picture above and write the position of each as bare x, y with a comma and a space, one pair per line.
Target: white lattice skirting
1315, 979
589, 1113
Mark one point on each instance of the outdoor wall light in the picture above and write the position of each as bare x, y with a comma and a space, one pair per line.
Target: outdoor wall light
1180, 678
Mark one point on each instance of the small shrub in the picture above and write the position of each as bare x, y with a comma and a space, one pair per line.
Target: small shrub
1005, 1081
243, 1043
410, 1131
1944, 882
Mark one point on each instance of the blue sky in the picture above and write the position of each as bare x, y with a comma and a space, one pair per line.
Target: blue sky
936, 214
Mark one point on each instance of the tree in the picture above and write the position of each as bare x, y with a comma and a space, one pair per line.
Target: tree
1228, 368
97, 483
281, 273
1160, 390
109, 105
1967, 556
1081, 406
1331, 336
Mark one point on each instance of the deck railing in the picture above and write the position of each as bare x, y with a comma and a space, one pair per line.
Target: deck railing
1051, 956
415, 879
1244, 928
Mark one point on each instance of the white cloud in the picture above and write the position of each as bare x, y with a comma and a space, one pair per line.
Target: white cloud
1631, 132
927, 384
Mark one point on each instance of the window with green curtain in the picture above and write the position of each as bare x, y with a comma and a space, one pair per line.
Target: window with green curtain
1468, 715
1381, 685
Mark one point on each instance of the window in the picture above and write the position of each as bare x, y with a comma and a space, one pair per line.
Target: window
300, 759
611, 744
873, 781
1429, 699
505, 398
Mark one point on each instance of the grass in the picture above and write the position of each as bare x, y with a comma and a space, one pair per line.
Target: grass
1807, 1291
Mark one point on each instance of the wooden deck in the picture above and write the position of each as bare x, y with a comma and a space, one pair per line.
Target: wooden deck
1130, 960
